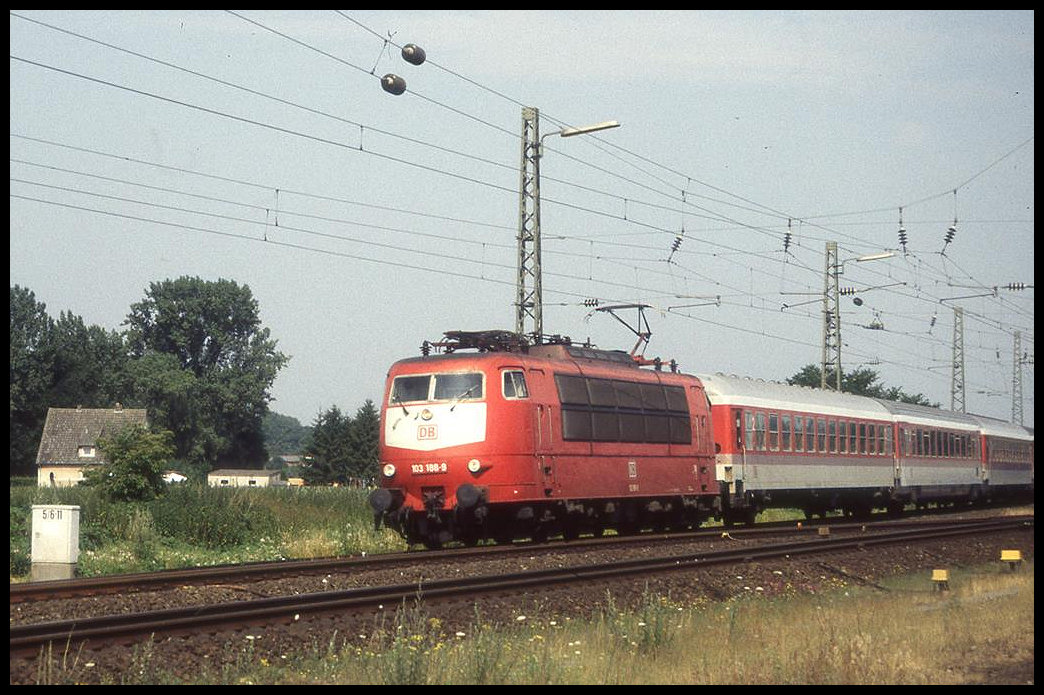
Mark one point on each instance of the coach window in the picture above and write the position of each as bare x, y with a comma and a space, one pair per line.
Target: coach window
887, 440
515, 385
799, 433
861, 442
750, 430
773, 432
871, 438
821, 432
786, 433
759, 431
810, 434
842, 436
832, 436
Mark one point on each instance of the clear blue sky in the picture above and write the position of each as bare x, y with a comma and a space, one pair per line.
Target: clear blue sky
259, 147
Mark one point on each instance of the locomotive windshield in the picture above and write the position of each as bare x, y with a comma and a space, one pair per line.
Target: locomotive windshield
437, 387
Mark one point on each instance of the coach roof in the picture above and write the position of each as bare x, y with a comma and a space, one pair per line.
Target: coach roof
734, 390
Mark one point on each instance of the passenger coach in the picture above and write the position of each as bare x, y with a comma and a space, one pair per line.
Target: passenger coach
789, 446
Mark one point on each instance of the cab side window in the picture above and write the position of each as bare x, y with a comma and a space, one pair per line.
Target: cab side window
515, 385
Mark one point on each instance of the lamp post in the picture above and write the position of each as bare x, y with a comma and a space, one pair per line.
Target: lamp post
529, 292
832, 311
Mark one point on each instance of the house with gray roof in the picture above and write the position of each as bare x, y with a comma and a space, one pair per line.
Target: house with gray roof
69, 444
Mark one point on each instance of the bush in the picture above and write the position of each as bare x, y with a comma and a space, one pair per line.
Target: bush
211, 517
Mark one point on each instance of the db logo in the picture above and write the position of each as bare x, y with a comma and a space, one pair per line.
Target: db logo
427, 432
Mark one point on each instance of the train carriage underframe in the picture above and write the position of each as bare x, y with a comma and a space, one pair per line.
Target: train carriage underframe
859, 503
473, 520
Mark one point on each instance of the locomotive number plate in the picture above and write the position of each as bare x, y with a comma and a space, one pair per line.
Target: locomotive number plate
428, 468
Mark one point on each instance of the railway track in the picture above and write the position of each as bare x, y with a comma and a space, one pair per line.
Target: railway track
252, 572
27, 641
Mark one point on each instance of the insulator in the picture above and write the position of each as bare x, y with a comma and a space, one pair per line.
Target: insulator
412, 53
902, 237
393, 84
786, 242
950, 234
1015, 286
425, 348
847, 290
592, 302
676, 243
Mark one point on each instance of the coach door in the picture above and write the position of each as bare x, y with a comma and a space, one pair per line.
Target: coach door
737, 462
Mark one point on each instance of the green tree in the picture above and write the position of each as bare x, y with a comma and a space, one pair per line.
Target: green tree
284, 434
63, 363
364, 441
89, 362
329, 449
32, 363
135, 461
861, 382
344, 449
227, 359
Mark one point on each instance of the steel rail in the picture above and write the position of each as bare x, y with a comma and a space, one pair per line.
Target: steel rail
27, 640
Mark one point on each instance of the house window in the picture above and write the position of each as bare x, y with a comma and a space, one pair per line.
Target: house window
87, 451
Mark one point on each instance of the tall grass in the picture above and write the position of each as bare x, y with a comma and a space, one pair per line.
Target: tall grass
194, 525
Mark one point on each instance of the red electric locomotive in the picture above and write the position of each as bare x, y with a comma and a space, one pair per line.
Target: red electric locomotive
508, 442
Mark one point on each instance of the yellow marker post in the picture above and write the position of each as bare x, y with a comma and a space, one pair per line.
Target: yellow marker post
1013, 558
941, 580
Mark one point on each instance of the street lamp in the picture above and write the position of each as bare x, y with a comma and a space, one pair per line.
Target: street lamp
529, 296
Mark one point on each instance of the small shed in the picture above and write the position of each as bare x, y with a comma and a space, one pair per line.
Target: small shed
69, 444
243, 477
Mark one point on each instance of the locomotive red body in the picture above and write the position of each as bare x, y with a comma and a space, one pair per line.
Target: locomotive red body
527, 442
555, 439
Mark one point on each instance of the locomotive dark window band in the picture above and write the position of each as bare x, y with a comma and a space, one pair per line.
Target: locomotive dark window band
611, 410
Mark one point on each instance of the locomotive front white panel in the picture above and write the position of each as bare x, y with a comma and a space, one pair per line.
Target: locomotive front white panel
435, 426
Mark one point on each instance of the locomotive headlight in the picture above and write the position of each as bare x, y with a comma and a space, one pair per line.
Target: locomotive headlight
388, 470
474, 465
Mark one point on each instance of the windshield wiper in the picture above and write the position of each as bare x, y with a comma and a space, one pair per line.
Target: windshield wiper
459, 398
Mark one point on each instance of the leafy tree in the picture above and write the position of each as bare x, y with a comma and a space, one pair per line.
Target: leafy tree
284, 434
215, 392
136, 459
861, 382
88, 364
32, 362
62, 363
